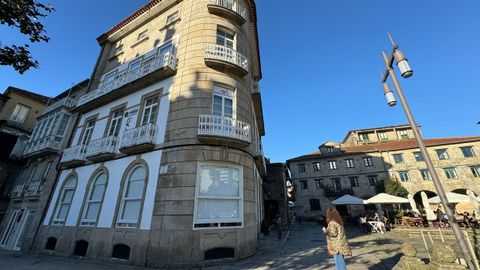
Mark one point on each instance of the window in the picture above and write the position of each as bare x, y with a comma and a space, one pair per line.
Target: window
301, 167
383, 136
65, 200
398, 158
467, 151
372, 180
475, 171
108, 80
47, 170
93, 201
450, 173
364, 137
349, 163
150, 109
319, 183
336, 185
115, 122
330, 149
219, 201
404, 176
368, 161
353, 181
316, 166
222, 101
426, 175
134, 69
142, 35
418, 156
132, 197
403, 134
442, 154
225, 38
332, 165
315, 205
20, 113
63, 125
172, 17
304, 184
32, 174
87, 133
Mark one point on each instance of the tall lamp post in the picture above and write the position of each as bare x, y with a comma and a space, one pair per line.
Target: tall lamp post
406, 72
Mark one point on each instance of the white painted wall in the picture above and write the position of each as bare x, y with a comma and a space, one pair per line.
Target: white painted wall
116, 169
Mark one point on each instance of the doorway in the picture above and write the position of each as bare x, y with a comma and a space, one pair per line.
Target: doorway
17, 229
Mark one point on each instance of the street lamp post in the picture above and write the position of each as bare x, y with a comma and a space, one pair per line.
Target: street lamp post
406, 72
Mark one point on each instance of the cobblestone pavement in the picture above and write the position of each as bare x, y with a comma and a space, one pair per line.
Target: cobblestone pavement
305, 248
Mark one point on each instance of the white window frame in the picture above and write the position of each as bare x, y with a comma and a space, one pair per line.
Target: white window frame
402, 174
368, 161
350, 163
87, 134
222, 32
470, 149
400, 160
60, 202
418, 156
450, 173
20, 113
403, 134
444, 155
383, 136
92, 222
126, 223
224, 93
316, 166
332, 164
115, 123
148, 109
240, 199
426, 176
475, 170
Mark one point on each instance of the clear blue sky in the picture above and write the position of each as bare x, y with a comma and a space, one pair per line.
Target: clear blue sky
320, 64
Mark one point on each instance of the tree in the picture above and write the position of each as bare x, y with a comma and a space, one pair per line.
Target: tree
392, 187
23, 15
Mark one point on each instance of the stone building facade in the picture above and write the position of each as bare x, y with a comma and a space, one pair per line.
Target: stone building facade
357, 164
165, 164
19, 110
33, 187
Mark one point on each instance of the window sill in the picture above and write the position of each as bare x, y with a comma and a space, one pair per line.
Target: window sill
139, 41
170, 24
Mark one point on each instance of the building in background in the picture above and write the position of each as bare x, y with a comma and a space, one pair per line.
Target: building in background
366, 157
275, 192
33, 186
165, 165
19, 110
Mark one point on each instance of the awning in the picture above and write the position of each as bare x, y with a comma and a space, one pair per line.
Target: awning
348, 199
452, 197
384, 198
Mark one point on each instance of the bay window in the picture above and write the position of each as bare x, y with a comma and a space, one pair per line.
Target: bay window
218, 196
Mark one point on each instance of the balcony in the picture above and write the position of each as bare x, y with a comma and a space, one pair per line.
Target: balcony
73, 156
138, 139
223, 130
102, 149
43, 146
127, 81
230, 9
66, 102
32, 189
226, 59
17, 191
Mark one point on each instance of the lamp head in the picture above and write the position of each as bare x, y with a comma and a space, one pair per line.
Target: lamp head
402, 64
387, 91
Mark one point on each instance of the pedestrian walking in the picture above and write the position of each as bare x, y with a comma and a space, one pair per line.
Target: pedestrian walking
278, 225
337, 244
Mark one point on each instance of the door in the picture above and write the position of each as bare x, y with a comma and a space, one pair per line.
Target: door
11, 233
24, 228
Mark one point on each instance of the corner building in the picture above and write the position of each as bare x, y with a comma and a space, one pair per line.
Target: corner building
165, 164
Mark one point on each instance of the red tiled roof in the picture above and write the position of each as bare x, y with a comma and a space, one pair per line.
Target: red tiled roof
391, 145
102, 38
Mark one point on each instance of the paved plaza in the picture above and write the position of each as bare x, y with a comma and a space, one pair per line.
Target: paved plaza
305, 248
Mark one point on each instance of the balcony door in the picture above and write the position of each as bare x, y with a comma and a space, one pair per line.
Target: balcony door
134, 70
150, 110
115, 123
226, 40
17, 229
163, 51
87, 135
223, 108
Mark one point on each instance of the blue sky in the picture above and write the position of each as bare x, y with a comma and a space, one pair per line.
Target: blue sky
320, 64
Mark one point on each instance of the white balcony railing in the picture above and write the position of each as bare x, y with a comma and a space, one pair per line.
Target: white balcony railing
212, 125
165, 60
17, 191
74, 153
233, 5
66, 102
139, 135
33, 188
52, 142
107, 145
220, 52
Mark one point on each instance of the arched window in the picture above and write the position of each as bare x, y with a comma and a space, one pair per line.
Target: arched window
132, 196
94, 199
65, 200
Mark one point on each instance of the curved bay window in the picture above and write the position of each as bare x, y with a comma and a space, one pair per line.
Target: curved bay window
94, 199
219, 196
65, 200
132, 196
